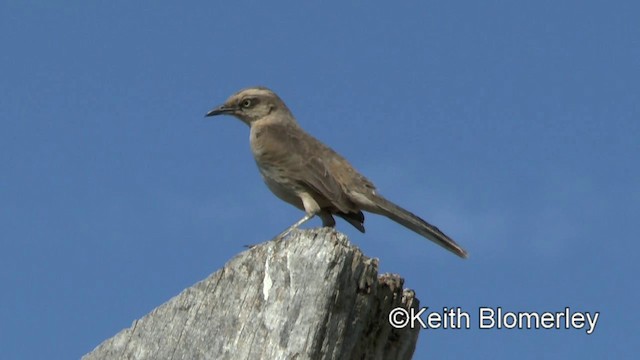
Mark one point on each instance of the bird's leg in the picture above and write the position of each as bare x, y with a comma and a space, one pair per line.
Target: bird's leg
311, 209
304, 219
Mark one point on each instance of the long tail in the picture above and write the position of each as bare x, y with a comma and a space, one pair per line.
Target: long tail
414, 223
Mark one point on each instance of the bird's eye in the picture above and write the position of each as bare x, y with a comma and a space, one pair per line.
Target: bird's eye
246, 103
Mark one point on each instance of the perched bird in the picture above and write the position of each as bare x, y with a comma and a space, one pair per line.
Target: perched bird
309, 175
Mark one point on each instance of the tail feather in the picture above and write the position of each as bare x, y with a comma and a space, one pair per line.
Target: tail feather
355, 219
414, 223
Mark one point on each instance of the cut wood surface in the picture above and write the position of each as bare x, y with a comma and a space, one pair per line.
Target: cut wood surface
312, 295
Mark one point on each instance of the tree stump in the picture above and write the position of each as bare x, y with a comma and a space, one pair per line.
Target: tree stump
312, 295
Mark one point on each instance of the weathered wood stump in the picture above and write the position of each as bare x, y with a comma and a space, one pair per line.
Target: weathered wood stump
312, 295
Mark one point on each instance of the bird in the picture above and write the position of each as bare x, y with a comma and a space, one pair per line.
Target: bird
304, 172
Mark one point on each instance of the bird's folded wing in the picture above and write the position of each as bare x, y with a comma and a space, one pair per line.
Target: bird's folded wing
313, 165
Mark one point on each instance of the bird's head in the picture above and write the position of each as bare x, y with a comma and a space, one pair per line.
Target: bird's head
251, 105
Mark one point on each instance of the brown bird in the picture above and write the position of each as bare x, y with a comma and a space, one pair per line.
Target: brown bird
309, 175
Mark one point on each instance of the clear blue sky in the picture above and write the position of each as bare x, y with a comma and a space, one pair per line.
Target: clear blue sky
513, 126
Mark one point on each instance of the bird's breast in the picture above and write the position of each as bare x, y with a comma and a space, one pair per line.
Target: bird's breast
268, 149
273, 164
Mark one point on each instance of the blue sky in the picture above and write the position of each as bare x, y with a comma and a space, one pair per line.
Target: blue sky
513, 126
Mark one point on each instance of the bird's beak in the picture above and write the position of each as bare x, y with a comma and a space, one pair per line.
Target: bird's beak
220, 110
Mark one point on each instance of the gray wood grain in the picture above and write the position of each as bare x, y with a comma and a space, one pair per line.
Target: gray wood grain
310, 296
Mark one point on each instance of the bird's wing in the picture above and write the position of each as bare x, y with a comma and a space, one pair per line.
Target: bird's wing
314, 165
